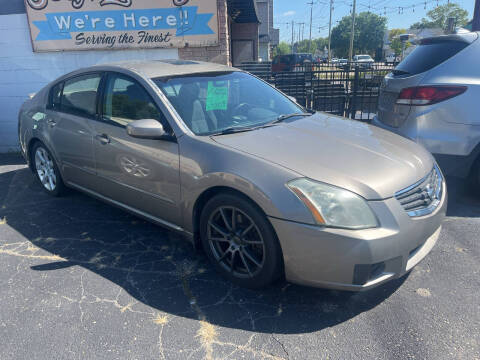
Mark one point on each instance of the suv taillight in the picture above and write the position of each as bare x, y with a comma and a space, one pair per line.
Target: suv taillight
428, 95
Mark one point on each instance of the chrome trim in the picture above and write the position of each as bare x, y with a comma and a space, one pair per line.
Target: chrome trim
438, 194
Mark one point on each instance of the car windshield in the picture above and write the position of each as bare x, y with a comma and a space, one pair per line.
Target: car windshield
363, 57
213, 103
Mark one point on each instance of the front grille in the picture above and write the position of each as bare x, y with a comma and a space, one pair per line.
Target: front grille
423, 197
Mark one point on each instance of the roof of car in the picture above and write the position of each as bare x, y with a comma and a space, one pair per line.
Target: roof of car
162, 68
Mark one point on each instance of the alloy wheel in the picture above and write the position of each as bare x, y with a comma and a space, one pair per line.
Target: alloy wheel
45, 169
236, 242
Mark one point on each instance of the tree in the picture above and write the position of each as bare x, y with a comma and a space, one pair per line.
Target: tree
395, 44
369, 31
437, 18
282, 49
303, 47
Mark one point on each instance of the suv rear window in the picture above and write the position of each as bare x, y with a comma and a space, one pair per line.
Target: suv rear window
426, 56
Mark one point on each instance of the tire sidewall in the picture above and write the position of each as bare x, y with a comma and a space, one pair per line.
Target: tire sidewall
273, 264
60, 187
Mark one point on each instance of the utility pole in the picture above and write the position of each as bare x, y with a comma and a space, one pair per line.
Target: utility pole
476, 17
330, 31
352, 35
311, 19
293, 34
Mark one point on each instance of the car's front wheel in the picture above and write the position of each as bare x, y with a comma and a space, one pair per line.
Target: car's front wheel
240, 241
46, 170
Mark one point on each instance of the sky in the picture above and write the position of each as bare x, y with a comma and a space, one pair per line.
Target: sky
286, 11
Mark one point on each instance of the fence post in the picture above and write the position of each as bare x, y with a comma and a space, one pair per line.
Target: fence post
308, 84
353, 99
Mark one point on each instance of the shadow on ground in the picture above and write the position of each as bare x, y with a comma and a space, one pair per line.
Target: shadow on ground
160, 269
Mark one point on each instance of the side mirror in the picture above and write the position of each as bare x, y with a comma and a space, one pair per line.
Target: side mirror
292, 98
146, 129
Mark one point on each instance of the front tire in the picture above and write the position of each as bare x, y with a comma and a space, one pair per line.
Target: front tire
46, 170
240, 241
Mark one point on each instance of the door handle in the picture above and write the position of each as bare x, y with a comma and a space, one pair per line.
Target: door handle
103, 138
51, 122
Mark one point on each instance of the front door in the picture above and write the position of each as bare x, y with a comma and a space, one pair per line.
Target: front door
140, 173
72, 103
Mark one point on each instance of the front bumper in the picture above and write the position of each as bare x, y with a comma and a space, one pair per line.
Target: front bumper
357, 260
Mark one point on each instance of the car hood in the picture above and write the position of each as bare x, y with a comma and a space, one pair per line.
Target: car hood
362, 158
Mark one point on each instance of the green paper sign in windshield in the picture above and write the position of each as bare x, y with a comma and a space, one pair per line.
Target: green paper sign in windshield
217, 96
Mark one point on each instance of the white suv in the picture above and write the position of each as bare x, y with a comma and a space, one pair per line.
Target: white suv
432, 96
365, 61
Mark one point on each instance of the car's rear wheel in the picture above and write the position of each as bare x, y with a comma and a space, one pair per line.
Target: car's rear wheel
46, 170
475, 177
240, 241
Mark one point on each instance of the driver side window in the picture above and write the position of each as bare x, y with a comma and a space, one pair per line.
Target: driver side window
125, 100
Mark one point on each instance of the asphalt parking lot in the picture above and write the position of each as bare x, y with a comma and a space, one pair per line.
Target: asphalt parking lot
83, 280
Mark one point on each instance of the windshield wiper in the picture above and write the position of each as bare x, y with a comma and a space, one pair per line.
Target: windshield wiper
233, 130
238, 129
287, 116
399, 72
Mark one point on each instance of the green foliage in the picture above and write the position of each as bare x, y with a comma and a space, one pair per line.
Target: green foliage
369, 31
395, 43
282, 49
437, 18
303, 46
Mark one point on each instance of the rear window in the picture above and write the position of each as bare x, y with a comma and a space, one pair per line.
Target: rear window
426, 56
302, 57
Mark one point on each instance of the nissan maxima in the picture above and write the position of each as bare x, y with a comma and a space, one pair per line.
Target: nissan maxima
267, 188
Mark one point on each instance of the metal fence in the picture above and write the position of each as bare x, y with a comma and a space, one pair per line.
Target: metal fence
349, 90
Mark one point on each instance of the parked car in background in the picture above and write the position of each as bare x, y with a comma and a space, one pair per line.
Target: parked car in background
290, 62
431, 97
392, 59
237, 167
342, 63
364, 61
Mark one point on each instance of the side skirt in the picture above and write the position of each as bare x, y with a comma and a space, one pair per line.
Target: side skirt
136, 212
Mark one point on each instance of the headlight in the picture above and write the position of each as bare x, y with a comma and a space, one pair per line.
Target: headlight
333, 206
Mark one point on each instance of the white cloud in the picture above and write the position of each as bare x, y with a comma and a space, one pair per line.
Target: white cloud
289, 13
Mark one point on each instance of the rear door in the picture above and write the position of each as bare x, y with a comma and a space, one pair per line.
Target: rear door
140, 173
71, 105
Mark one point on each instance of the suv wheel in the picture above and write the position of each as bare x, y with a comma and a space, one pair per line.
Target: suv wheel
475, 177
240, 241
46, 170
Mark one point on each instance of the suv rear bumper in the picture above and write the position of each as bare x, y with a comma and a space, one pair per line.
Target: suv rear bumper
455, 146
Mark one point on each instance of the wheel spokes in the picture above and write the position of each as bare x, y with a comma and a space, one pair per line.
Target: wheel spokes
45, 169
224, 217
218, 229
227, 232
245, 263
251, 258
232, 261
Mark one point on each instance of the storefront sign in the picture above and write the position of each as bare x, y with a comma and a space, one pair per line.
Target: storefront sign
118, 24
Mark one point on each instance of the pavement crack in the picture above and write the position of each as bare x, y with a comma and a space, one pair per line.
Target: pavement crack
281, 344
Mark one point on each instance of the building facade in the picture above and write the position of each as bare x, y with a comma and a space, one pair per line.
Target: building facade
268, 35
230, 36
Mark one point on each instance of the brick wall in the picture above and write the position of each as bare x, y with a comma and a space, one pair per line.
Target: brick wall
218, 54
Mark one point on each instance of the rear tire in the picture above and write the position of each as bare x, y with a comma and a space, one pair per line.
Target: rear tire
240, 241
475, 177
46, 170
